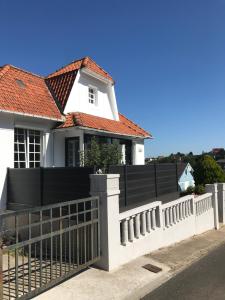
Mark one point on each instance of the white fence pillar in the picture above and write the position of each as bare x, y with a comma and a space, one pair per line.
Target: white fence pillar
212, 188
106, 186
221, 202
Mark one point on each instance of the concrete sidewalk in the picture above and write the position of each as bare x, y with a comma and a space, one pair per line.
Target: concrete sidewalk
131, 281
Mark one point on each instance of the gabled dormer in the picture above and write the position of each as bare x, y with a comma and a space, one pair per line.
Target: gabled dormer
83, 86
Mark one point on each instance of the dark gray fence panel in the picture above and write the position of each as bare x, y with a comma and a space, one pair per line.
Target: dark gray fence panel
147, 183
64, 184
42, 186
24, 187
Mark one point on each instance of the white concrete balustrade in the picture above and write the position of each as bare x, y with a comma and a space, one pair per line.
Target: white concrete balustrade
139, 222
135, 232
176, 211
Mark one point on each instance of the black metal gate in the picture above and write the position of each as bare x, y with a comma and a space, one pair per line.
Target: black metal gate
41, 247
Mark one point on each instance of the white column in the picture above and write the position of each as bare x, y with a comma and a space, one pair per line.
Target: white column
107, 188
221, 202
212, 188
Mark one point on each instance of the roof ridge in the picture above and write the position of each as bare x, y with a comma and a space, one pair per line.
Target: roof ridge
72, 62
25, 71
88, 57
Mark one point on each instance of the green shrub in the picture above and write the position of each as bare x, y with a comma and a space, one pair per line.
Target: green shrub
101, 155
208, 171
190, 190
199, 189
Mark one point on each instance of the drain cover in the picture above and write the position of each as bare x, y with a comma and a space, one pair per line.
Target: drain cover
152, 268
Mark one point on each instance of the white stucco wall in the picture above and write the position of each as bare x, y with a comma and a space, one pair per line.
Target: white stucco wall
78, 101
138, 152
7, 124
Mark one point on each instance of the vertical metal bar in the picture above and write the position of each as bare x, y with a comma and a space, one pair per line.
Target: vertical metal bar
51, 247
41, 246
60, 239
1, 267
85, 233
99, 247
16, 258
29, 253
69, 220
9, 279
78, 244
23, 268
92, 231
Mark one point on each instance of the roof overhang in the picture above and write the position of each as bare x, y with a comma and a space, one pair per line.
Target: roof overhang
104, 131
89, 72
31, 115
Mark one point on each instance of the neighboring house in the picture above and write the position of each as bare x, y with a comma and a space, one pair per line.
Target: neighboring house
47, 121
185, 175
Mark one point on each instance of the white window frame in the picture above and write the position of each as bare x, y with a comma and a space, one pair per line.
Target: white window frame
93, 101
27, 144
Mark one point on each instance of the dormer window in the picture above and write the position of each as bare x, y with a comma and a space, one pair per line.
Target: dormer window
92, 95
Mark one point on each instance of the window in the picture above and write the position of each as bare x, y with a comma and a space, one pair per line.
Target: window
27, 148
92, 95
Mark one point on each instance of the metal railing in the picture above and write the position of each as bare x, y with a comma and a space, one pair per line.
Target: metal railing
41, 247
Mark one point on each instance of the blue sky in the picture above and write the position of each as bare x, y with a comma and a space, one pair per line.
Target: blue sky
166, 56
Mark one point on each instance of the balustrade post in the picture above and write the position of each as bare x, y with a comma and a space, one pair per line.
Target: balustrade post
131, 229
167, 217
143, 223
124, 238
178, 212
137, 226
153, 218
148, 221
174, 214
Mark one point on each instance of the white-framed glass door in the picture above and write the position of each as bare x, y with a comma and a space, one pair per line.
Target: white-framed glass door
73, 152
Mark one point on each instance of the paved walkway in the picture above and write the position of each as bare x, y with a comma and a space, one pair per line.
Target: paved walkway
131, 281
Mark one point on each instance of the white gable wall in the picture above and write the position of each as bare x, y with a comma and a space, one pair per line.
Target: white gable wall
105, 107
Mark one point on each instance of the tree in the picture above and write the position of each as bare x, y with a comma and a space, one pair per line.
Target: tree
208, 171
101, 155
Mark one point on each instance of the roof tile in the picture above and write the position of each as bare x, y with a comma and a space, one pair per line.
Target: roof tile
123, 127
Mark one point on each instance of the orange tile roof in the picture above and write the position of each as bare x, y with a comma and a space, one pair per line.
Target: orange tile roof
26, 93
60, 86
81, 63
122, 127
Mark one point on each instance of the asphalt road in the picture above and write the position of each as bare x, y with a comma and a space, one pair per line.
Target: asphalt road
203, 280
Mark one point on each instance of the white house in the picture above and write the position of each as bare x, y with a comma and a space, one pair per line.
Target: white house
186, 178
46, 121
